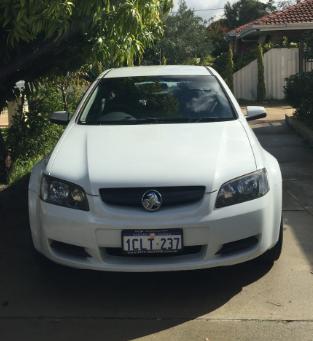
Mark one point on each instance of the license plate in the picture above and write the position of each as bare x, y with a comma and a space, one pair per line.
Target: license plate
152, 241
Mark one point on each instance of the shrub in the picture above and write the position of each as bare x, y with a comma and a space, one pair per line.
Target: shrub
31, 135
230, 69
220, 63
3, 174
298, 91
22, 167
29, 141
261, 90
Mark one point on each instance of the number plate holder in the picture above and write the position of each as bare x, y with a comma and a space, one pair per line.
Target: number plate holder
152, 242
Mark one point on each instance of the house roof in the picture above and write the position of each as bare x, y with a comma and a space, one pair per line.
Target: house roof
300, 14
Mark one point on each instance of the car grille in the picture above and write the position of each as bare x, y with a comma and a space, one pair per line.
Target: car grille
171, 196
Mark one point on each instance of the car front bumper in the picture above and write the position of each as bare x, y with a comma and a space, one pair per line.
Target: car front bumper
205, 231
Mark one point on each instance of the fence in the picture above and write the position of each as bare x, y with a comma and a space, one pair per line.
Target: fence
279, 64
4, 119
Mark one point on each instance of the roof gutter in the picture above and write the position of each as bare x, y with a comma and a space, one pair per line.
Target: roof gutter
272, 28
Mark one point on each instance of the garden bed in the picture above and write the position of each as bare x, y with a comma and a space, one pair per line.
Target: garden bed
301, 128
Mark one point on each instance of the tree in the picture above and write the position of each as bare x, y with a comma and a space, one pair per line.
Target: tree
216, 34
236, 14
230, 68
283, 4
41, 37
261, 90
185, 39
36, 36
70, 86
244, 11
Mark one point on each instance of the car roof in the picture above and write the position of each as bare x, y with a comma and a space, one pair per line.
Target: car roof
157, 70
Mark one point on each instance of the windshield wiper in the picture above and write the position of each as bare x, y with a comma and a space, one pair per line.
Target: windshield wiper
150, 119
156, 120
207, 119
183, 120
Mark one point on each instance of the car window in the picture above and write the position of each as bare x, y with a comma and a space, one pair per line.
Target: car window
158, 99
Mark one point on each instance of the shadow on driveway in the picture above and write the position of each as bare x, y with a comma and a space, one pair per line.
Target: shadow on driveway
296, 162
33, 287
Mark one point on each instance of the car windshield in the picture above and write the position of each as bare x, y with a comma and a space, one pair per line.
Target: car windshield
157, 99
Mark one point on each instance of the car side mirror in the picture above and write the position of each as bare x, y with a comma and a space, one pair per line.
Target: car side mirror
60, 117
253, 113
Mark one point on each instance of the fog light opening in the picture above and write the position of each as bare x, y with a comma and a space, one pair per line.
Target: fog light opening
68, 250
238, 246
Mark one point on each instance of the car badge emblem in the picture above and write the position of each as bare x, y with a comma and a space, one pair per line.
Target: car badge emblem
151, 200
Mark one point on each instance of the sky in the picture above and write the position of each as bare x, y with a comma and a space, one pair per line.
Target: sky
204, 5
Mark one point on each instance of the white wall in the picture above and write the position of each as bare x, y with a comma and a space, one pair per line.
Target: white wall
279, 64
309, 66
245, 82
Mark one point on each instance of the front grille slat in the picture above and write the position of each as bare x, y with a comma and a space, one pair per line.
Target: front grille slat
172, 196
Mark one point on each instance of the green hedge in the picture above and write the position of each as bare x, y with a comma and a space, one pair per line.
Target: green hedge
32, 136
230, 69
29, 141
261, 89
299, 94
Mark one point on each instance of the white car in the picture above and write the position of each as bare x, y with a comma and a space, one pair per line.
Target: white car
157, 170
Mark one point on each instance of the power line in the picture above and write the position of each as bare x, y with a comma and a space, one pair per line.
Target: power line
207, 9
203, 9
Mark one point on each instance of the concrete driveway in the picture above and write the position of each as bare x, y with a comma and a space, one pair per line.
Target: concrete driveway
43, 301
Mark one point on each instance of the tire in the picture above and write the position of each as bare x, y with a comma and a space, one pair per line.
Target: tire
273, 254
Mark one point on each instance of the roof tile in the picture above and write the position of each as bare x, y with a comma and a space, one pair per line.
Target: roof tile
302, 12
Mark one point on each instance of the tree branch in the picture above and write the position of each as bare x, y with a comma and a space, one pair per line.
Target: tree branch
23, 62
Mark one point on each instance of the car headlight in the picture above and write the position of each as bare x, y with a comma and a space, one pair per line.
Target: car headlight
244, 188
63, 193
